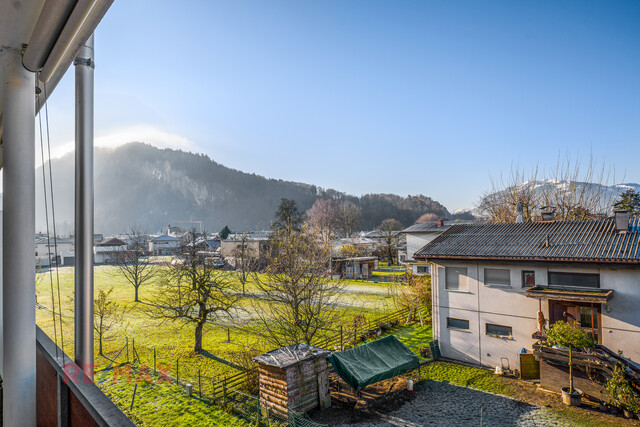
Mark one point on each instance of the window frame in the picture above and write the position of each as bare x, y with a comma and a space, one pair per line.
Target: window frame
566, 274
459, 287
457, 327
504, 285
524, 280
497, 335
423, 267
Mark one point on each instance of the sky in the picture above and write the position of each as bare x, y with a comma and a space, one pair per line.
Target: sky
407, 97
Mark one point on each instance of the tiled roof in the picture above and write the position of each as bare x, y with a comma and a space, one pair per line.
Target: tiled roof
570, 241
432, 226
164, 237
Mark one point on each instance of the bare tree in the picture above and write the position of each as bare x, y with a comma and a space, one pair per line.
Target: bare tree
428, 217
415, 294
297, 299
107, 314
323, 216
244, 257
389, 238
133, 262
576, 192
192, 291
349, 217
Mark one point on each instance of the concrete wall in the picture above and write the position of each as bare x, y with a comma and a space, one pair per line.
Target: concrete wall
480, 304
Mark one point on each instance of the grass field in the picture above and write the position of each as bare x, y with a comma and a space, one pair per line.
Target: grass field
173, 341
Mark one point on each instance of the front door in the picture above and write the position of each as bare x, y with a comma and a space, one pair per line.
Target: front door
587, 315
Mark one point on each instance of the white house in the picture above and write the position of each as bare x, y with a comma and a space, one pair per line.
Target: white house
164, 245
418, 235
46, 249
104, 252
491, 281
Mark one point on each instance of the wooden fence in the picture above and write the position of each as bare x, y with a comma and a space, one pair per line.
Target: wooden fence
601, 360
344, 338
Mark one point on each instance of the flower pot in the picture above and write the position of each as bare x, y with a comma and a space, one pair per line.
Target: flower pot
571, 399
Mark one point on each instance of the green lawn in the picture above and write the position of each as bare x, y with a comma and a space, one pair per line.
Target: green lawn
173, 341
414, 336
163, 405
466, 376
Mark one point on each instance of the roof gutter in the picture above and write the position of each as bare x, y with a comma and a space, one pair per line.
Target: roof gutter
534, 260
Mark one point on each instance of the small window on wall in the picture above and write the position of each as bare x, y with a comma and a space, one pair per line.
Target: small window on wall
423, 269
528, 279
454, 323
497, 276
499, 330
574, 280
456, 277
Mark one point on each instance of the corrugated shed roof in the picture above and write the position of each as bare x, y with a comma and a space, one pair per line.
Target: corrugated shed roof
573, 241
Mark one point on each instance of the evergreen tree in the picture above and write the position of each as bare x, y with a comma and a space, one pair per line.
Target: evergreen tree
288, 217
629, 200
224, 233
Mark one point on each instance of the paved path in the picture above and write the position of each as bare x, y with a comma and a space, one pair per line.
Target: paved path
443, 404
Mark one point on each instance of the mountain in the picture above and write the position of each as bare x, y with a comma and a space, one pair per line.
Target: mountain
138, 184
599, 197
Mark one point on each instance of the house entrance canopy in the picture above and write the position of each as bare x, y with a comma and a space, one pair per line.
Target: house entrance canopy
599, 296
373, 362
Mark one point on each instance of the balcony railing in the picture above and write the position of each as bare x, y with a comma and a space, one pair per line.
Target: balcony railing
65, 396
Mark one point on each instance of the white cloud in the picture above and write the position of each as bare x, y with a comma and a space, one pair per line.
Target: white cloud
138, 133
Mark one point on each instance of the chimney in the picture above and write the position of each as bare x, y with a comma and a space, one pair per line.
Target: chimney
622, 221
440, 223
548, 213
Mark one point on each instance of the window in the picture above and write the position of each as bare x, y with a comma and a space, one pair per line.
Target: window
454, 323
456, 277
528, 279
574, 280
589, 317
499, 330
497, 276
423, 269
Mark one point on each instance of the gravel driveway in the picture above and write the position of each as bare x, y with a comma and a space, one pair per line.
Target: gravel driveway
443, 404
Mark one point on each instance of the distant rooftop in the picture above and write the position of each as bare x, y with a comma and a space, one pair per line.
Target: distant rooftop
433, 227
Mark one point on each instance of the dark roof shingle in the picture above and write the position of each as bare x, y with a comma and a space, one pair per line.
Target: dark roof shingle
574, 241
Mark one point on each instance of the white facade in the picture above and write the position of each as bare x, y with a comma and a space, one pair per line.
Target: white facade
415, 242
503, 306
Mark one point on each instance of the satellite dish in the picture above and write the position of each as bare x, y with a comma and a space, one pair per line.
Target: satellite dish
519, 207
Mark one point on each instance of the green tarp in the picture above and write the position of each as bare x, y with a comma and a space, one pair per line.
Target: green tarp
373, 362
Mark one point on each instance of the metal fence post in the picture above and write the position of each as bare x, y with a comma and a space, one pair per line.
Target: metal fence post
154, 361
341, 344
199, 383
178, 371
127, 344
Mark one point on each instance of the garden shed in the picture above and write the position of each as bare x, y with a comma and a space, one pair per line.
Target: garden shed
294, 378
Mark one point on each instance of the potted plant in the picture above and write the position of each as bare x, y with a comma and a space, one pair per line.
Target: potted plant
622, 393
569, 335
